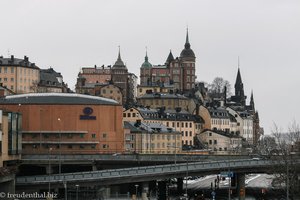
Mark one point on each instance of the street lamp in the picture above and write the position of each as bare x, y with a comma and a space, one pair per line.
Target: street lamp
136, 190
49, 172
59, 164
186, 178
77, 191
66, 190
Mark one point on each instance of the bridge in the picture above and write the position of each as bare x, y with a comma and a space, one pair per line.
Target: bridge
141, 174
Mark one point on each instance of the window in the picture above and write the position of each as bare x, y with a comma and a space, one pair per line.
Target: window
209, 134
81, 146
215, 141
70, 146
103, 91
104, 135
81, 135
93, 146
124, 114
210, 141
128, 114
5, 70
12, 70
190, 133
104, 146
5, 79
93, 135
11, 79
133, 114
186, 133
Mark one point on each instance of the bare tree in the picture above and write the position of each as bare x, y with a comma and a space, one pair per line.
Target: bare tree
283, 152
218, 86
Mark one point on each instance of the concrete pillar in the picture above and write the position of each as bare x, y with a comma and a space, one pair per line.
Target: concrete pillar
49, 169
179, 185
241, 190
162, 190
7, 184
94, 167
145, 190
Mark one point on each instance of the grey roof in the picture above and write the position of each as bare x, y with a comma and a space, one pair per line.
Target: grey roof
170, 114
220, 132
12, 61
162, 96
148, 127
219, 113
57, 98
48, 79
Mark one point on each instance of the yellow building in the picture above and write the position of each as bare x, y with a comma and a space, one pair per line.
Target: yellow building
220, 142
144, 89
187, 124
169, 101
151, 138
19, 75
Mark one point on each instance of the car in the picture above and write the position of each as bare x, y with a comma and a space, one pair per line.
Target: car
256, 158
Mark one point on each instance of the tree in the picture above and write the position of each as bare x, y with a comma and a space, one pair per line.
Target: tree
280, 146
218, 86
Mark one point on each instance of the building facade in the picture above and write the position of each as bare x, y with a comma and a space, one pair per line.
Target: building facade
68, 123
179, 72
19, 75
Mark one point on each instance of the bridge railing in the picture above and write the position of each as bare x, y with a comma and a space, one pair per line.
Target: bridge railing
156, 171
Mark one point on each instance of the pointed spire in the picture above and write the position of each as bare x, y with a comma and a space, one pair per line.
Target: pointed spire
252, 102
170, 58
146, 57
119, 61
119, 56
238, 80
187, 44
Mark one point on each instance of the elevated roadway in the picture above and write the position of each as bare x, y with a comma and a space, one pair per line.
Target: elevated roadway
158, 172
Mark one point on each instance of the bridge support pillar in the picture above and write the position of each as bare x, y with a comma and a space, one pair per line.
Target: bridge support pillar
179, 185
7, 184
145, 190
162, 190
49, 169
241, 186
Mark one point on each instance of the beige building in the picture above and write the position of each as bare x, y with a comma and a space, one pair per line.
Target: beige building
169, 101
109, 91
144, 89
19, 75
187, 124
220, 142
151, 138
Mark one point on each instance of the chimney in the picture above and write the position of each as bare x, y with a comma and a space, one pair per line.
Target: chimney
12, 57
25, 58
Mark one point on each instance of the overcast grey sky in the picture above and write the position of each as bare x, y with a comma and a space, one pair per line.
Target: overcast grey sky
70, 34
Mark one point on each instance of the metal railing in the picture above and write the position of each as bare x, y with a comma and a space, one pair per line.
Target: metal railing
150, 172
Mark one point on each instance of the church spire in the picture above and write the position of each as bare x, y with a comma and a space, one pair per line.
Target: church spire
187, 44
239, 89
119, 62
252, 101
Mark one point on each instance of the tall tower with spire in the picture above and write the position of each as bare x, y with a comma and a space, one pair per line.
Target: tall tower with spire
239, 97
145, 72
119, 76
182, 69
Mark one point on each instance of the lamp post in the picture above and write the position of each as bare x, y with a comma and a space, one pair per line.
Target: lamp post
186, 178
229, 181
77, 191
136, 190
49, 172
66, 190
59, 163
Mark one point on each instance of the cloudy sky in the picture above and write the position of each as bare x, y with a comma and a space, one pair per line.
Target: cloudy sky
70, 34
